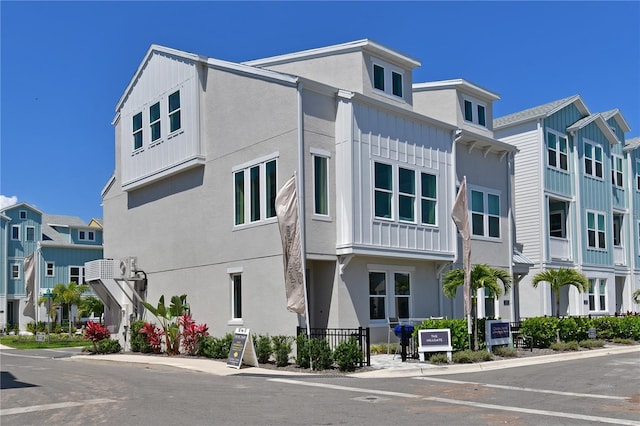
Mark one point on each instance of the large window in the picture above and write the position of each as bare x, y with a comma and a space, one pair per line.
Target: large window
597, 294
475, 112
76, 274
401, 201
593, 160
596, 235
255, 189
154, 122
616, 171
320, 184
174, 112
31, 233
15, 232
389, 293
137, 131
617, 230
485, 214
557, 156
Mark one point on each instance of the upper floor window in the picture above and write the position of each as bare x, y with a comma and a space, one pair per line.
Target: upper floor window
86, 235
255, 190
405, 193
320, 184
384, 77
15, 232
31, 233
557, 224
485, 214
23, 214
557, 151
50, 269
76, 274
593, 160
475, 112
616, 171
618, 220
596, 235
174, 111
137, 131
154, 122
15, 271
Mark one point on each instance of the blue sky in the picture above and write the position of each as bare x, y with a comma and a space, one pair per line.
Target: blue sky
64, 65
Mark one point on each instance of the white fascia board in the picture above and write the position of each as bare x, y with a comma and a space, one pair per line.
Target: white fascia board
3, 217
23, 205
353, 46
358, 97
50, 244
582, 107
395, 253
467, 137
622, 122
459, 84
600, 122
107, 186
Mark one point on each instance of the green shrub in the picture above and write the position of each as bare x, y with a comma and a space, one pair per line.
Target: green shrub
213, 347
607, 327
41, 327
108, 346
281, 349
463, 357
263, 348
348, 354
439, 358
505, 351
591, 343
321, 356
621, 341
574, 328
138, 340
303, 356
565, 346
629, 327
543, 330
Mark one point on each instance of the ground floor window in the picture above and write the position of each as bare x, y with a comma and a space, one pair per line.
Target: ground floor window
389, 294
236, 296
597, 294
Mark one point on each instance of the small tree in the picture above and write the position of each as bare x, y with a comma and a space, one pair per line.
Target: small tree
558, 278
168, 320
482, 276
69, 295
90, 305
96, 333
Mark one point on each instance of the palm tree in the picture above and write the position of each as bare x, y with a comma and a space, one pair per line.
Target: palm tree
482, 276
559, 278
70, 295
90, 305
636, 296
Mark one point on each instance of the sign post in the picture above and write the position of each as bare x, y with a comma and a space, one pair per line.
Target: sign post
435, 340
240, 350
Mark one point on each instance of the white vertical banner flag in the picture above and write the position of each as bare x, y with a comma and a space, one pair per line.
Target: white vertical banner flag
287, 212
30, 281
460, 216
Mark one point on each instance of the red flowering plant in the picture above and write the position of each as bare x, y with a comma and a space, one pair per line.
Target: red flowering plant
96, 332
153, 336
191, 333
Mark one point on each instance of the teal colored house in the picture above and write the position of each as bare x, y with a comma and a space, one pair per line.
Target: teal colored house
576, 204
60, 246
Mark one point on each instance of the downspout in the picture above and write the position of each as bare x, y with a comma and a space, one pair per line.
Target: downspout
36, 290
301, 204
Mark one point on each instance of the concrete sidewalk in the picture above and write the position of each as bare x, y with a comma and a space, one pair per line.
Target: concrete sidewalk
384, 366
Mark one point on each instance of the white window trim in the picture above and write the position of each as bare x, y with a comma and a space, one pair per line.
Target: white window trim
53, 269
236, 270
615, 171
316, 152
81, 272
593, 160
89, 235
474, 111
26, 233
152, 123
21, 214
388, 80
596, 229
596, 295
16, 267
234, 320
420, 198
637, 175
557, 151
176, 111
485, 215
246, 169
562, 223
622, 234
390, 296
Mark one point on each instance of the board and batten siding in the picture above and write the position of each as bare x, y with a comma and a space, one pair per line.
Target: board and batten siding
391, 138
161, 76
529, 213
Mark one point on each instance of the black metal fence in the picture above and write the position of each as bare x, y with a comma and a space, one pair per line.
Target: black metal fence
335, 336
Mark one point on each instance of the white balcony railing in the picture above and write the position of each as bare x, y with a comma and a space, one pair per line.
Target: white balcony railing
559, 248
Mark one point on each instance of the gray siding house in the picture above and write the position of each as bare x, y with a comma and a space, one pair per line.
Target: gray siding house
203, 145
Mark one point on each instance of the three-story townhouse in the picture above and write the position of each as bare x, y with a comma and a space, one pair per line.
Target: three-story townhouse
568, 206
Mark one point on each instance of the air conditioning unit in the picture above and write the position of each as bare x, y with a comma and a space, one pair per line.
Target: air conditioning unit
128, 267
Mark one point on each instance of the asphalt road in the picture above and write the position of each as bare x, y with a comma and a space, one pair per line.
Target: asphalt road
48, 387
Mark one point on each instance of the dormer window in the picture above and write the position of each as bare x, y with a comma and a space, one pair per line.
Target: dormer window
388, 80
475, 112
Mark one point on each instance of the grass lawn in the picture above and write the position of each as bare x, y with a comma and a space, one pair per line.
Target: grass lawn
56, 341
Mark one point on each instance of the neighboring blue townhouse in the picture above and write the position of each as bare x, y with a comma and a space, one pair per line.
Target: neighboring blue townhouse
61, 245
576, 204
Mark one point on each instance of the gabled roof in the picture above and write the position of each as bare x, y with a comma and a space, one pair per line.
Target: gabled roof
22, 205
617, 115
458, 84
63, 220
214, 63
600, 122
632, 144
95, 222
541, 111
364, 44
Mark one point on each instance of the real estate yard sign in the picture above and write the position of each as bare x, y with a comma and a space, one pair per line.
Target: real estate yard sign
242, 349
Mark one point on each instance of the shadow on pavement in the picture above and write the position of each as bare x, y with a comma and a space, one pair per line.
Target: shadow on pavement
8, 381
